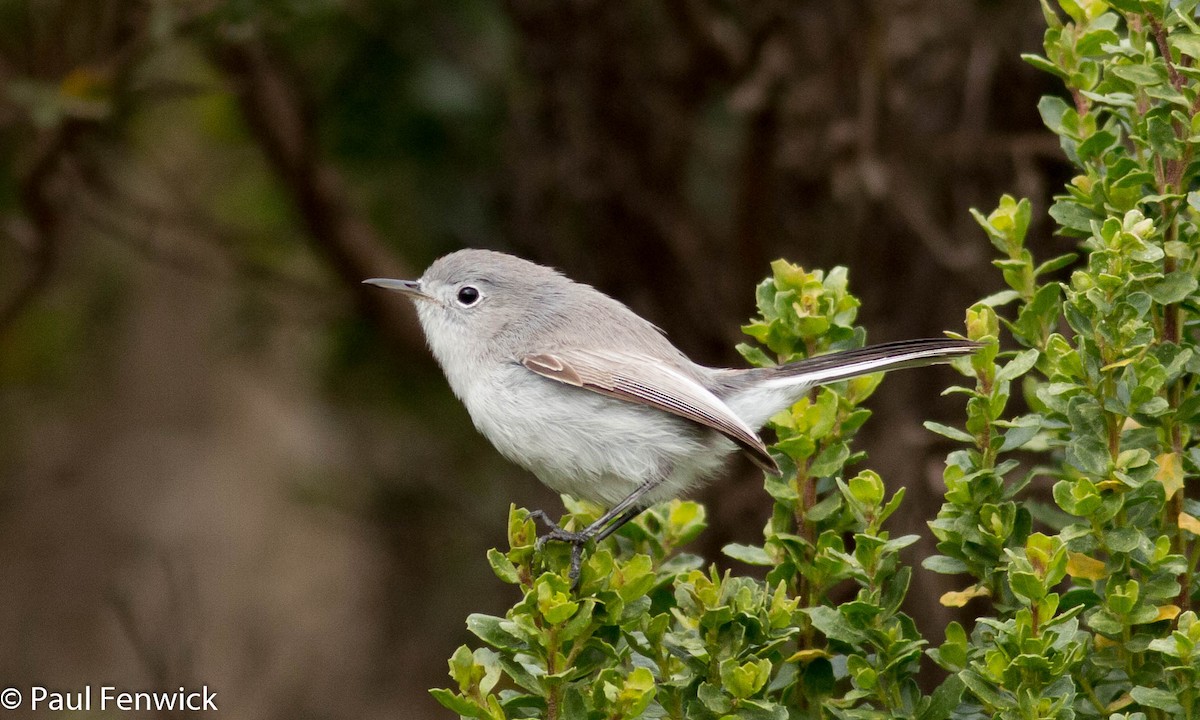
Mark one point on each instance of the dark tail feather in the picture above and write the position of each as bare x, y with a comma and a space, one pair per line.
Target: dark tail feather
875, 358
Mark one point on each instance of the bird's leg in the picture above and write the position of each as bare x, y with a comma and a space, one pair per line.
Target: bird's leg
616, 524
606, 525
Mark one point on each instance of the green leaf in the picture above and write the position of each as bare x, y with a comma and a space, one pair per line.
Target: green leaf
861, 671
1173, 288
949, 432
638, 691
830, 460
895, 545
1056, 263
1105, 623
1135, 178
1043, 64
686, 519
714, 698
1019, 432
892, 505
895, 590
761, 710
825, 507
744, 679
983, 690
1077, 497
1001, 298
831, 623
1186, 43
634, 577
952, 655
1124, 539
866, 488
1026, 585
1140, 75
1172, 646
1096, 145
1089, 454
556, 608
464, 707
490, 630
1018, 366
1164, 700
754, 355
818, 678
503, 567
1037, 318
1072, 215
1161, 137
1115, 99
1052, 109
944, 699
749, 554
1094, 40
524, 675
944, 565
574, 705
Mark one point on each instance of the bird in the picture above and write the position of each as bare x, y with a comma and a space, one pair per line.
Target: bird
594, 400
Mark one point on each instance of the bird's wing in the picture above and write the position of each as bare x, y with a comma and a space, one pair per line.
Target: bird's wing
640, 379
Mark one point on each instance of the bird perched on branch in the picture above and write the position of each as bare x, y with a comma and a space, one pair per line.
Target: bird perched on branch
593, 399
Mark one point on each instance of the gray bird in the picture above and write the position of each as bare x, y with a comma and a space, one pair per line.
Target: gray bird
593, 399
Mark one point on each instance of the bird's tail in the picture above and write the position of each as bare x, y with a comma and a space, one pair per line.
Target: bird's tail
755, 395
847, 364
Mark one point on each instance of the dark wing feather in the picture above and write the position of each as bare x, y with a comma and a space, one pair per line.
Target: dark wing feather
640, 379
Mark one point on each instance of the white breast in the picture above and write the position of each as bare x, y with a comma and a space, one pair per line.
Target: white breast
588, 445
578, 442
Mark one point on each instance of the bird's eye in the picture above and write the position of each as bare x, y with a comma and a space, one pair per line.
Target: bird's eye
468, 295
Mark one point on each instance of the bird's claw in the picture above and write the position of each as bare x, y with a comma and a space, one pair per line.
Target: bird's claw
577, 540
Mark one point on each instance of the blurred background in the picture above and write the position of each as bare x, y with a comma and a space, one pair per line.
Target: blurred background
225, 461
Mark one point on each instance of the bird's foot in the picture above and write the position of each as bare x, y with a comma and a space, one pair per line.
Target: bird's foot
577, 540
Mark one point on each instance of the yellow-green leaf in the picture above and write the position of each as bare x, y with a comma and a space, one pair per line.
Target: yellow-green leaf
959, 598
1189, 523
1123, 701
805, 656
1170, 473
1082, 566
1103, 642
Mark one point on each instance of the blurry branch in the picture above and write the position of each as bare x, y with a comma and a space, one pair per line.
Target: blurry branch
41, 195
910, 205
714, 40
601, 156
107, 59
139, 223
719, 45
280, 119
166, 644
140, 232
613, 133
758, 96
982, 62
958, 145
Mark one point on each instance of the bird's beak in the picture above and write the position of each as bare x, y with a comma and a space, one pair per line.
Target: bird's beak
411, 288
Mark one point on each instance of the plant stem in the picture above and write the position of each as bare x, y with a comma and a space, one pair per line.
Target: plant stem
552, 698
1160, 38
1091, 694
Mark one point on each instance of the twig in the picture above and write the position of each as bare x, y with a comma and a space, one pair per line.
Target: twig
280, 119
40, 199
